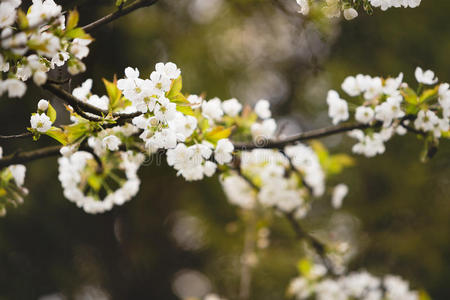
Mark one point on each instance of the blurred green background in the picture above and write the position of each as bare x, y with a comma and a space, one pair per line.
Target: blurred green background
397, 212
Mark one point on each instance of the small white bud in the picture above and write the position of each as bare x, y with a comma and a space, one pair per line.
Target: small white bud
350, 13
40, 78
43, 105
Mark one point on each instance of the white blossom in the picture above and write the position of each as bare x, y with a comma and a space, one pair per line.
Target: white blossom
195, 101
111, 142
304, 7
425, 77
212, 109
426, 120
18, 173
7, 14
263, 131
337, 107
262, 109
42, 11
79, 48
239, 191
165, 110
389, 110
231, 107
40, 122
350, 13
169, 70
339, 193
364, 114
42, 105
223, 151
15, 87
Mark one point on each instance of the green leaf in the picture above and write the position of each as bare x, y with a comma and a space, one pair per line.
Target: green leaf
428, 94
36, 45
95, 182
113, 91
446, 134
175, 89
51, 113
22, 20
410, 96
179, 99
204, 125
304, 267
76, 131
321, 152
412, 109
77, 33
423, 295
72, 20
57, 134
217, 134
332, 164
185, 109
338, 162
120, 2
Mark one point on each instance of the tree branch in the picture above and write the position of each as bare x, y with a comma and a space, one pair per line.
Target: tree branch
303, 136
23, 157
119, 13
15, 136
301, 234
249, 245
318, 246
86, 107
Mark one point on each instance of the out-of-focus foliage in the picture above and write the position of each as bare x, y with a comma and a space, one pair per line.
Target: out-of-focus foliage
397, 212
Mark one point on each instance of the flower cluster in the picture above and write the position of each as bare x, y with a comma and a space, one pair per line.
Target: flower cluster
83, 182
83, 93
389, 106
356, 285
285, 180
385, 4
189, 130
333, 8
192, 132
43, 41
12, 191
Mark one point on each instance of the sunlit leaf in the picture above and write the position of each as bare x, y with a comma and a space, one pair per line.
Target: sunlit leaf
175, 89
77, 33
185, 109
113, 92
304, 267
57, 134
410, 96
51, 113
428, 94
217, 134
72, 20
22, 20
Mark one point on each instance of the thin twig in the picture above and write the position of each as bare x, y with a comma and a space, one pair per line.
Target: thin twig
303, 136
318, 246
249, 245
24, 157
117, 14
302, 234
58, 82
15, 136
86, 107
84, 115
